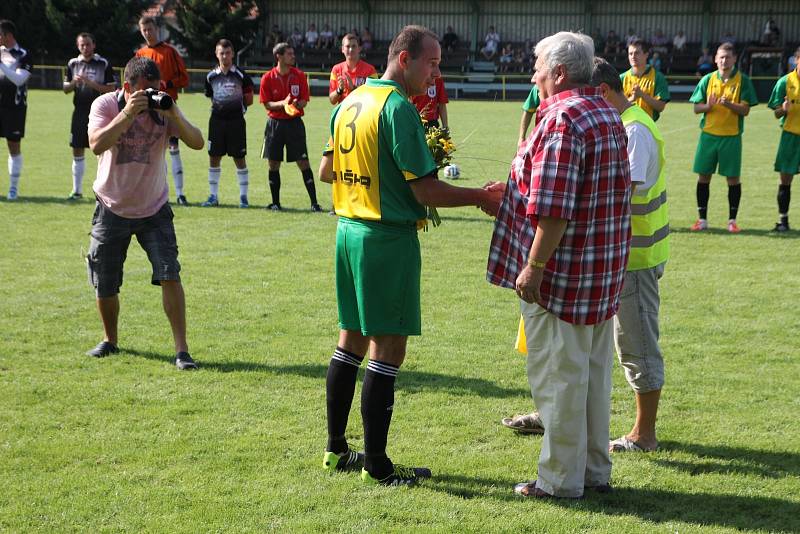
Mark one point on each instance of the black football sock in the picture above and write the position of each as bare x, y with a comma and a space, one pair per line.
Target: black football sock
275, 186
702, 199
734, 197
784, 198
340, 387
377, 405
308, 179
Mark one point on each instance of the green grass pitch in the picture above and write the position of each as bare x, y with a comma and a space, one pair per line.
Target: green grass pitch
127, 443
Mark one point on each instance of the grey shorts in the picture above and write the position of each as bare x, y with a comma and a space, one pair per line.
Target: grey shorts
108, 248
636, 330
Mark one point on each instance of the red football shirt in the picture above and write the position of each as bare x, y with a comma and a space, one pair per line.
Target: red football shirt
275, 87
353, 78
436, 95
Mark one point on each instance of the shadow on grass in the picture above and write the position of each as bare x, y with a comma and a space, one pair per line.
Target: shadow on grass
85, 201
792, 234
657, 506
721, 459
408, 381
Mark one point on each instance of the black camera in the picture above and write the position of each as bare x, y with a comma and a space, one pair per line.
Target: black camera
156, 100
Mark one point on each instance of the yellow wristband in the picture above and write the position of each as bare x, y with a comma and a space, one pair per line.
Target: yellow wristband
536, 264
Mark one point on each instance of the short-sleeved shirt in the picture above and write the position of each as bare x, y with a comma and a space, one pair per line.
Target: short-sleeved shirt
429, 102
276, 87
378, 148
353, 78
97, 69
643, 156
531, 103
788, 87
573, 167
227, 92
651, 82
132, 175
721, 121
170, 65
11, 95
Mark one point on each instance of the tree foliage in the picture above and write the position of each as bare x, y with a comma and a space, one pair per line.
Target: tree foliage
201, 23
47, 28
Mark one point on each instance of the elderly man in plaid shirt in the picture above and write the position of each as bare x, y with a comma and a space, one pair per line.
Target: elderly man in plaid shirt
561, 240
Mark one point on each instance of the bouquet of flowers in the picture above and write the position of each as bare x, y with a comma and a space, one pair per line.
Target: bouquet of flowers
442, 148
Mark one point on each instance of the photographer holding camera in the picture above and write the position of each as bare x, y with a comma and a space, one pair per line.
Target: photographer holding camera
129, 130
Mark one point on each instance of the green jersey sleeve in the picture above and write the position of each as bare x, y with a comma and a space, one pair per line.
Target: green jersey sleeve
699, 94
532, 102
404, 133
329, 144
662, 88
778, 94
748, 91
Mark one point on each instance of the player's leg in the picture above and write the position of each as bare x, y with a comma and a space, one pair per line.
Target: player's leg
272, 151
237, 149
296, 150
177, 170
784, 199
79, 141
78, 170
216, 149
14, 167
730, 166
705, 163
787, 164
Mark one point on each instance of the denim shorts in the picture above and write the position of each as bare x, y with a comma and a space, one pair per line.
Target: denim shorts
108, 248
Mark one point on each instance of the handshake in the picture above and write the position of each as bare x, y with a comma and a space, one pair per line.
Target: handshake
494, 192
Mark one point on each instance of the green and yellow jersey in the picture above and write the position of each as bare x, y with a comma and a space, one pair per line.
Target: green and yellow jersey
650, 82
532, 102
379, 146
721, 121
788, 88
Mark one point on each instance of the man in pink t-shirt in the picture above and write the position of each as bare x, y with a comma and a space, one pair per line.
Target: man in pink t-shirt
130, 136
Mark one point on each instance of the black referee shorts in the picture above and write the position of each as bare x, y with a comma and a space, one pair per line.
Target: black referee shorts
227, 137
12, 123
79, 131
289, 133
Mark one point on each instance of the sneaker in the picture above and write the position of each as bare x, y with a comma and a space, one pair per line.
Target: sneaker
74, 196
316, 208
243, 203
401, 476
181, 200
274, 207
12, 194
700, 225
184, 362
211, 202
781, 227
733, 227
347, 461
103, 349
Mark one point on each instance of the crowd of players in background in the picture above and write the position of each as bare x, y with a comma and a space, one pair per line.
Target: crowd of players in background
723, 97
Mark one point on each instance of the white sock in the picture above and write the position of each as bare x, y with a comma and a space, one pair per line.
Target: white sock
213, 180
78, 167
177, 170
14, 170
244, 180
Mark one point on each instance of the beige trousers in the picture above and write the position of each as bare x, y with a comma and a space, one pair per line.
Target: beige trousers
569, 371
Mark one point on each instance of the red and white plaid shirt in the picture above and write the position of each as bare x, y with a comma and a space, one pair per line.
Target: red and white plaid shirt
573, 167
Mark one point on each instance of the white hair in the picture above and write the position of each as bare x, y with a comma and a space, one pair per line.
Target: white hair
573, 50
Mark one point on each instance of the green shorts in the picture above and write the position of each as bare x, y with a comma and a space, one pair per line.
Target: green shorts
378, 270
787, 160
713, 149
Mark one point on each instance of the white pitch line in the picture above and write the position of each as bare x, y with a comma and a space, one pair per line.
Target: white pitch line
679, 129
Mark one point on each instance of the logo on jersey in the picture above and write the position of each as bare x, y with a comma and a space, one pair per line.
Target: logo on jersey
295, 90
360, 81
432, 91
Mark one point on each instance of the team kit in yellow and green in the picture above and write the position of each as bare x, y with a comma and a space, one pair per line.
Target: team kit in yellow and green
651, 82
720, 143
787, 160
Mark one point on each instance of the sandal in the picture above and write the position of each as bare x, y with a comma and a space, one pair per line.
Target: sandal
529, 423
625, 444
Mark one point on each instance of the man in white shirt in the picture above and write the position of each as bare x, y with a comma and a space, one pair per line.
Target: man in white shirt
492, 44
15, 69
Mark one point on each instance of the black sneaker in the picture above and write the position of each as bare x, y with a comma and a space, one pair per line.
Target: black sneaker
181, 200
347, 461
274, 207
74, 196
184, 362
781, 227
103, 349
401, 476
316, 208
